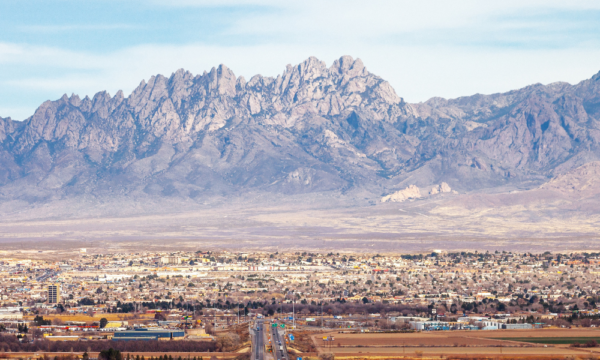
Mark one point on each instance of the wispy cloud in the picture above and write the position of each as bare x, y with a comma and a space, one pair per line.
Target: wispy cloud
424, 48
77, 27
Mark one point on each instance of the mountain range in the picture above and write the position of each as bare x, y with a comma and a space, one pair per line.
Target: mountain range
338, 130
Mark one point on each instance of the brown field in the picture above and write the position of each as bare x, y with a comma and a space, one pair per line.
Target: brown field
414, 339
579, 332
453, 343
468, 351
449, 337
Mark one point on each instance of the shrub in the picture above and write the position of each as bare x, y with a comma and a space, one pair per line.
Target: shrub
326, 356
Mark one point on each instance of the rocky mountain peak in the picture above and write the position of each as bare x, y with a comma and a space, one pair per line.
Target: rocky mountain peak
311, 128
346, 65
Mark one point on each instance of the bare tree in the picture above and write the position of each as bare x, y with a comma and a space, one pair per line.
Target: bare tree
228, 341
326, 356
208, 328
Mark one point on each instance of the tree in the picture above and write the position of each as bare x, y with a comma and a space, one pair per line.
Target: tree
208, 328
110, 354
228, 341
326, 356
103, 323
39, 321
22, 328
87, 301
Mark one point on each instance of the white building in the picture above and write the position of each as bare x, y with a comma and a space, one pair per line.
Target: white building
11, 314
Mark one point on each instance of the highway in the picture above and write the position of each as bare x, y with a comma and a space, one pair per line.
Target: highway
278, 342
258, 341
48, 274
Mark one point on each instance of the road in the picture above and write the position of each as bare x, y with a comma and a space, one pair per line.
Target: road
279, 347
47, 275
258, 341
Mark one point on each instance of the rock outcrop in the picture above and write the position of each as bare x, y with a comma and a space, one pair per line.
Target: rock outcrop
411, 192
441, 188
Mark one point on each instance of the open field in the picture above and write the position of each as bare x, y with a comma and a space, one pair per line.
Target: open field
499, 343
578, 332
326, 223
554, 340
408, 339
459, 351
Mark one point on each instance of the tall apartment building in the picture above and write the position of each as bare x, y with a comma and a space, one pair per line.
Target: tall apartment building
53, 294
170, 260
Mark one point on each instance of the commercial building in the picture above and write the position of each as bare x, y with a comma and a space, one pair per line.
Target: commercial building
517, 326
10, 314
170, 260
143, 334
54, 294
435, 325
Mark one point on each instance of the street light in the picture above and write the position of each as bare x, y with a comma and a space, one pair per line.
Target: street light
293, 312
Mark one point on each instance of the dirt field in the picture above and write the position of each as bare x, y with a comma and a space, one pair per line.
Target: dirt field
415, 339
465, 351
579, 332
453, 343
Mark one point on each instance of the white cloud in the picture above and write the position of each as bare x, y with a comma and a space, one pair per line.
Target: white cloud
75, 27
405, 42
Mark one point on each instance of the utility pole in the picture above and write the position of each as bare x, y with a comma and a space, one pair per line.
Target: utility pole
321, 314
293, 313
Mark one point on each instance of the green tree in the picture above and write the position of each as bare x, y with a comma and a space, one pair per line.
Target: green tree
39, 321
110, 354
103, 323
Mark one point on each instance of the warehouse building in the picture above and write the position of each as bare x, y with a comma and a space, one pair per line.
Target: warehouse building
144, 334
517, 326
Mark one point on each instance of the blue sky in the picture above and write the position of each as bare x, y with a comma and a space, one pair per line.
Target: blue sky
424, 48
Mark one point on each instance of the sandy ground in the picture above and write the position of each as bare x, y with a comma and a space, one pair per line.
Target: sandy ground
516, 222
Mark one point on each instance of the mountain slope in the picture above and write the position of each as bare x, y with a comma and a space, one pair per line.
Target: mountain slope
312, 129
